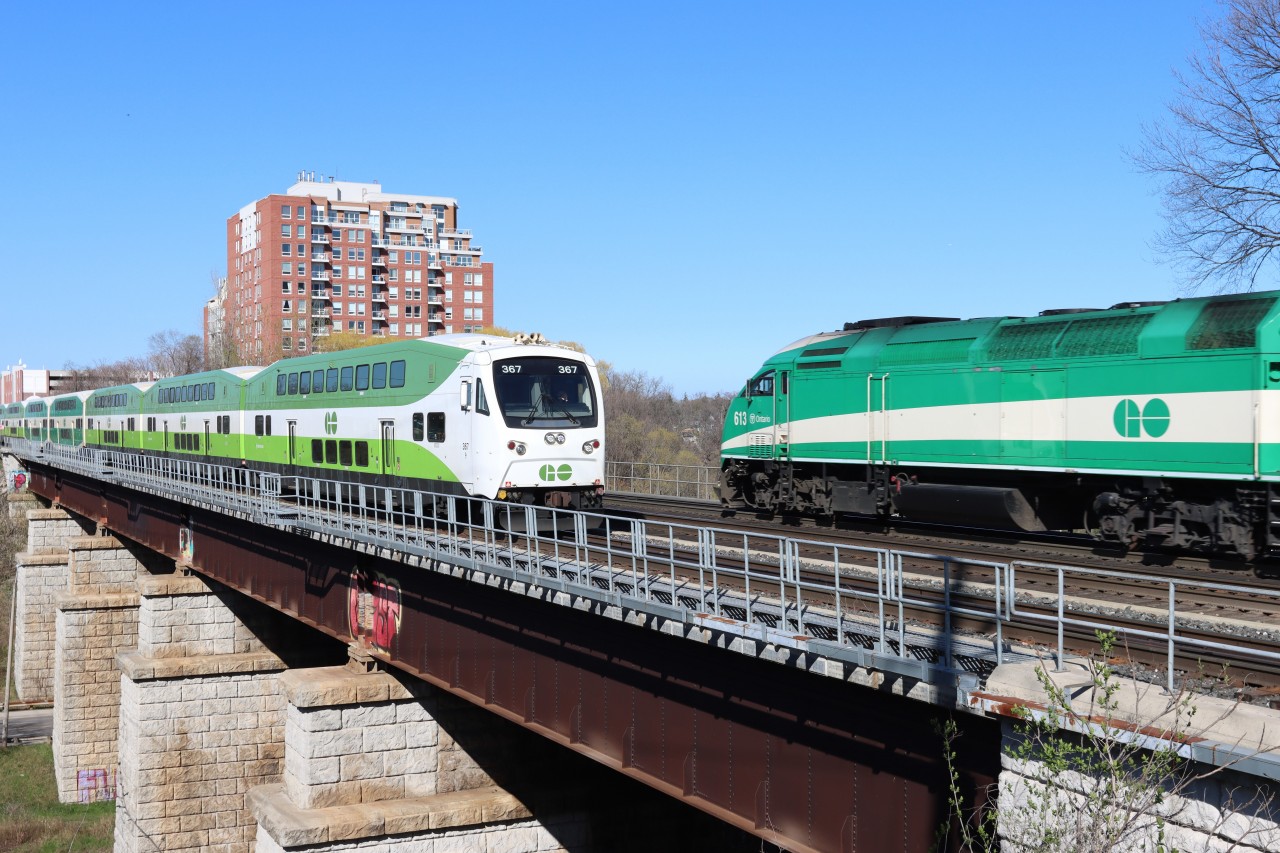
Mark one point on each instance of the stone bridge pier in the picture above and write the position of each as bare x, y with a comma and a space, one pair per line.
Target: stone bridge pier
219, 723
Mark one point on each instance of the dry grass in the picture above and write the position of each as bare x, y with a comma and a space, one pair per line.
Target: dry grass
31, 818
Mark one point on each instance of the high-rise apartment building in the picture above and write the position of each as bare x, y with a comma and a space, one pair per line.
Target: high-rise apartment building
338, 256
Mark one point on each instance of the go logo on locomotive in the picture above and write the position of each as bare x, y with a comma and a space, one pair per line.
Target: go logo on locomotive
1152, 419
550, 473
331, 423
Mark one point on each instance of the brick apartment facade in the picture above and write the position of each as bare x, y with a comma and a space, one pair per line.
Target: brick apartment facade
328, 256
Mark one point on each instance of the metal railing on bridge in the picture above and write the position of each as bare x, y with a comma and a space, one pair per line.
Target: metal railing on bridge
891, 610
695, 482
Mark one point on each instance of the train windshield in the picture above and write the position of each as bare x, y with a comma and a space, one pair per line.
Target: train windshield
540, 391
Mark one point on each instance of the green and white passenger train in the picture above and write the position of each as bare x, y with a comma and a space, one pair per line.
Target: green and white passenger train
1148, 424
479, 415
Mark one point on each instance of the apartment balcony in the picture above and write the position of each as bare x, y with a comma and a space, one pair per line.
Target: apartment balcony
434, 265
379, 279
319, 312
435, 318
405, 212
319, 238
434, 299
319, 275
380, 315
455, 232
321, 258
319, 293
414, 227
379, 296
407, 243
379, 260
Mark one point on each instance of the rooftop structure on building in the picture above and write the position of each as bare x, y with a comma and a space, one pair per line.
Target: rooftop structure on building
19, 382
329, 256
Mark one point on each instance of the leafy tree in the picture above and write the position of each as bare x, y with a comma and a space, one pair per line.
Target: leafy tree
1218, 153
644, 422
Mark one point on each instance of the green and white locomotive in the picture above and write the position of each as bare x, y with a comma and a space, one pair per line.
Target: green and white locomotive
1155, 425
503, 418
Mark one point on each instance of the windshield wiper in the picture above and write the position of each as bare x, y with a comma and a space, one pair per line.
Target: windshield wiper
549, 410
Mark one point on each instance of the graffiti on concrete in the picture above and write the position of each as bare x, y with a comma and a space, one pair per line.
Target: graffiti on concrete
96, 785
186, 545
373, 608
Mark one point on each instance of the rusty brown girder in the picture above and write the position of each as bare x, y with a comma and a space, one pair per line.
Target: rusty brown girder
806, 762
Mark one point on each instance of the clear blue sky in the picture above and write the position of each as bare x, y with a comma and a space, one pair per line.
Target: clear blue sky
681, 187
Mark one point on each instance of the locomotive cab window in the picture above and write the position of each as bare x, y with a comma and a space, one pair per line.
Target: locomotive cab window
418, 430
544, 391
435, 426
761, 386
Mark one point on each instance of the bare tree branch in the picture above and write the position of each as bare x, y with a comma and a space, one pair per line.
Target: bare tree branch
1218, 153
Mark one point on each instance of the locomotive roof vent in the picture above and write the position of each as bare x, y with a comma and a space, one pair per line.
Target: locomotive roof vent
895, 322
1054, 312
1139, 304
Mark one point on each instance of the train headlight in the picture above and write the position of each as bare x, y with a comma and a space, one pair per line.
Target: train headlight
517, 446
590, 446
559, 438
549, 438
